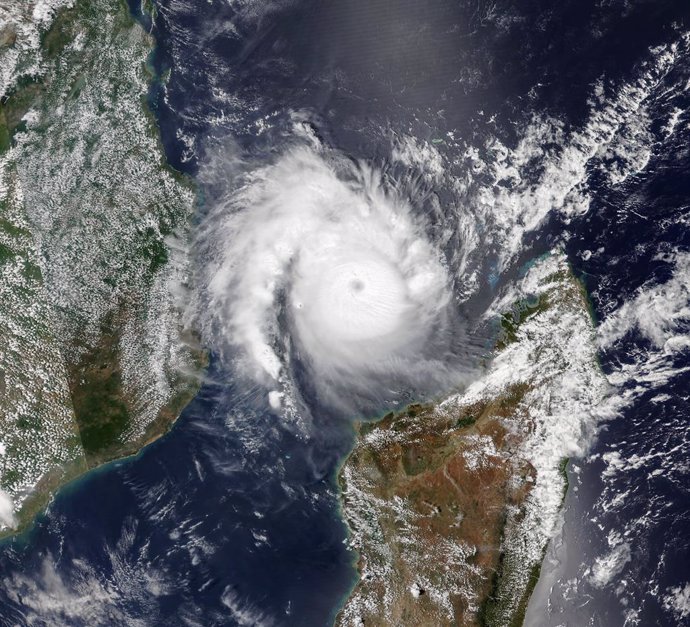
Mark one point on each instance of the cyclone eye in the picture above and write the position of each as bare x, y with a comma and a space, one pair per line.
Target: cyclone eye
362, 284
357, 285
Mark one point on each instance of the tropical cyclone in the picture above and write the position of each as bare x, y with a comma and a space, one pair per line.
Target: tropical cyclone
92, 251
451, 506
320, 250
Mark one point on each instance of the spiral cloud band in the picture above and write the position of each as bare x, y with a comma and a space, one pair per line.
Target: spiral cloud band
315, 259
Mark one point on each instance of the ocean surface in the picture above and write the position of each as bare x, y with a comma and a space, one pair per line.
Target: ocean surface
233, 517
229, 515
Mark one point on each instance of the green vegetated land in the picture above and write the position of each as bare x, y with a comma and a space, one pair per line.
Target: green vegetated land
92, 359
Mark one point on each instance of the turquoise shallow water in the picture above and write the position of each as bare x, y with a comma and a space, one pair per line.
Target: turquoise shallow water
233, 518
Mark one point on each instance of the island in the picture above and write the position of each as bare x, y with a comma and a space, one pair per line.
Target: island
451, 505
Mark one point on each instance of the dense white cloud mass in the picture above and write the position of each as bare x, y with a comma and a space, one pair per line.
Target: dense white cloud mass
315, 258
7, 518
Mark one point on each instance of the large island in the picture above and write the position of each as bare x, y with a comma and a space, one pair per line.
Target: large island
451, 505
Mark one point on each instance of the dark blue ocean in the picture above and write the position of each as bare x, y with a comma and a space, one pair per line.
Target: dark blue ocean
228, 509
233, 517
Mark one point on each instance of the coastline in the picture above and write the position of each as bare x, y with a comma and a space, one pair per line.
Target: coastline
104, 395
398, 507
71, 482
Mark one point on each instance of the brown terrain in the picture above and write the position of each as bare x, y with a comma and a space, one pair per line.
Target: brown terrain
442, 500
457, 477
